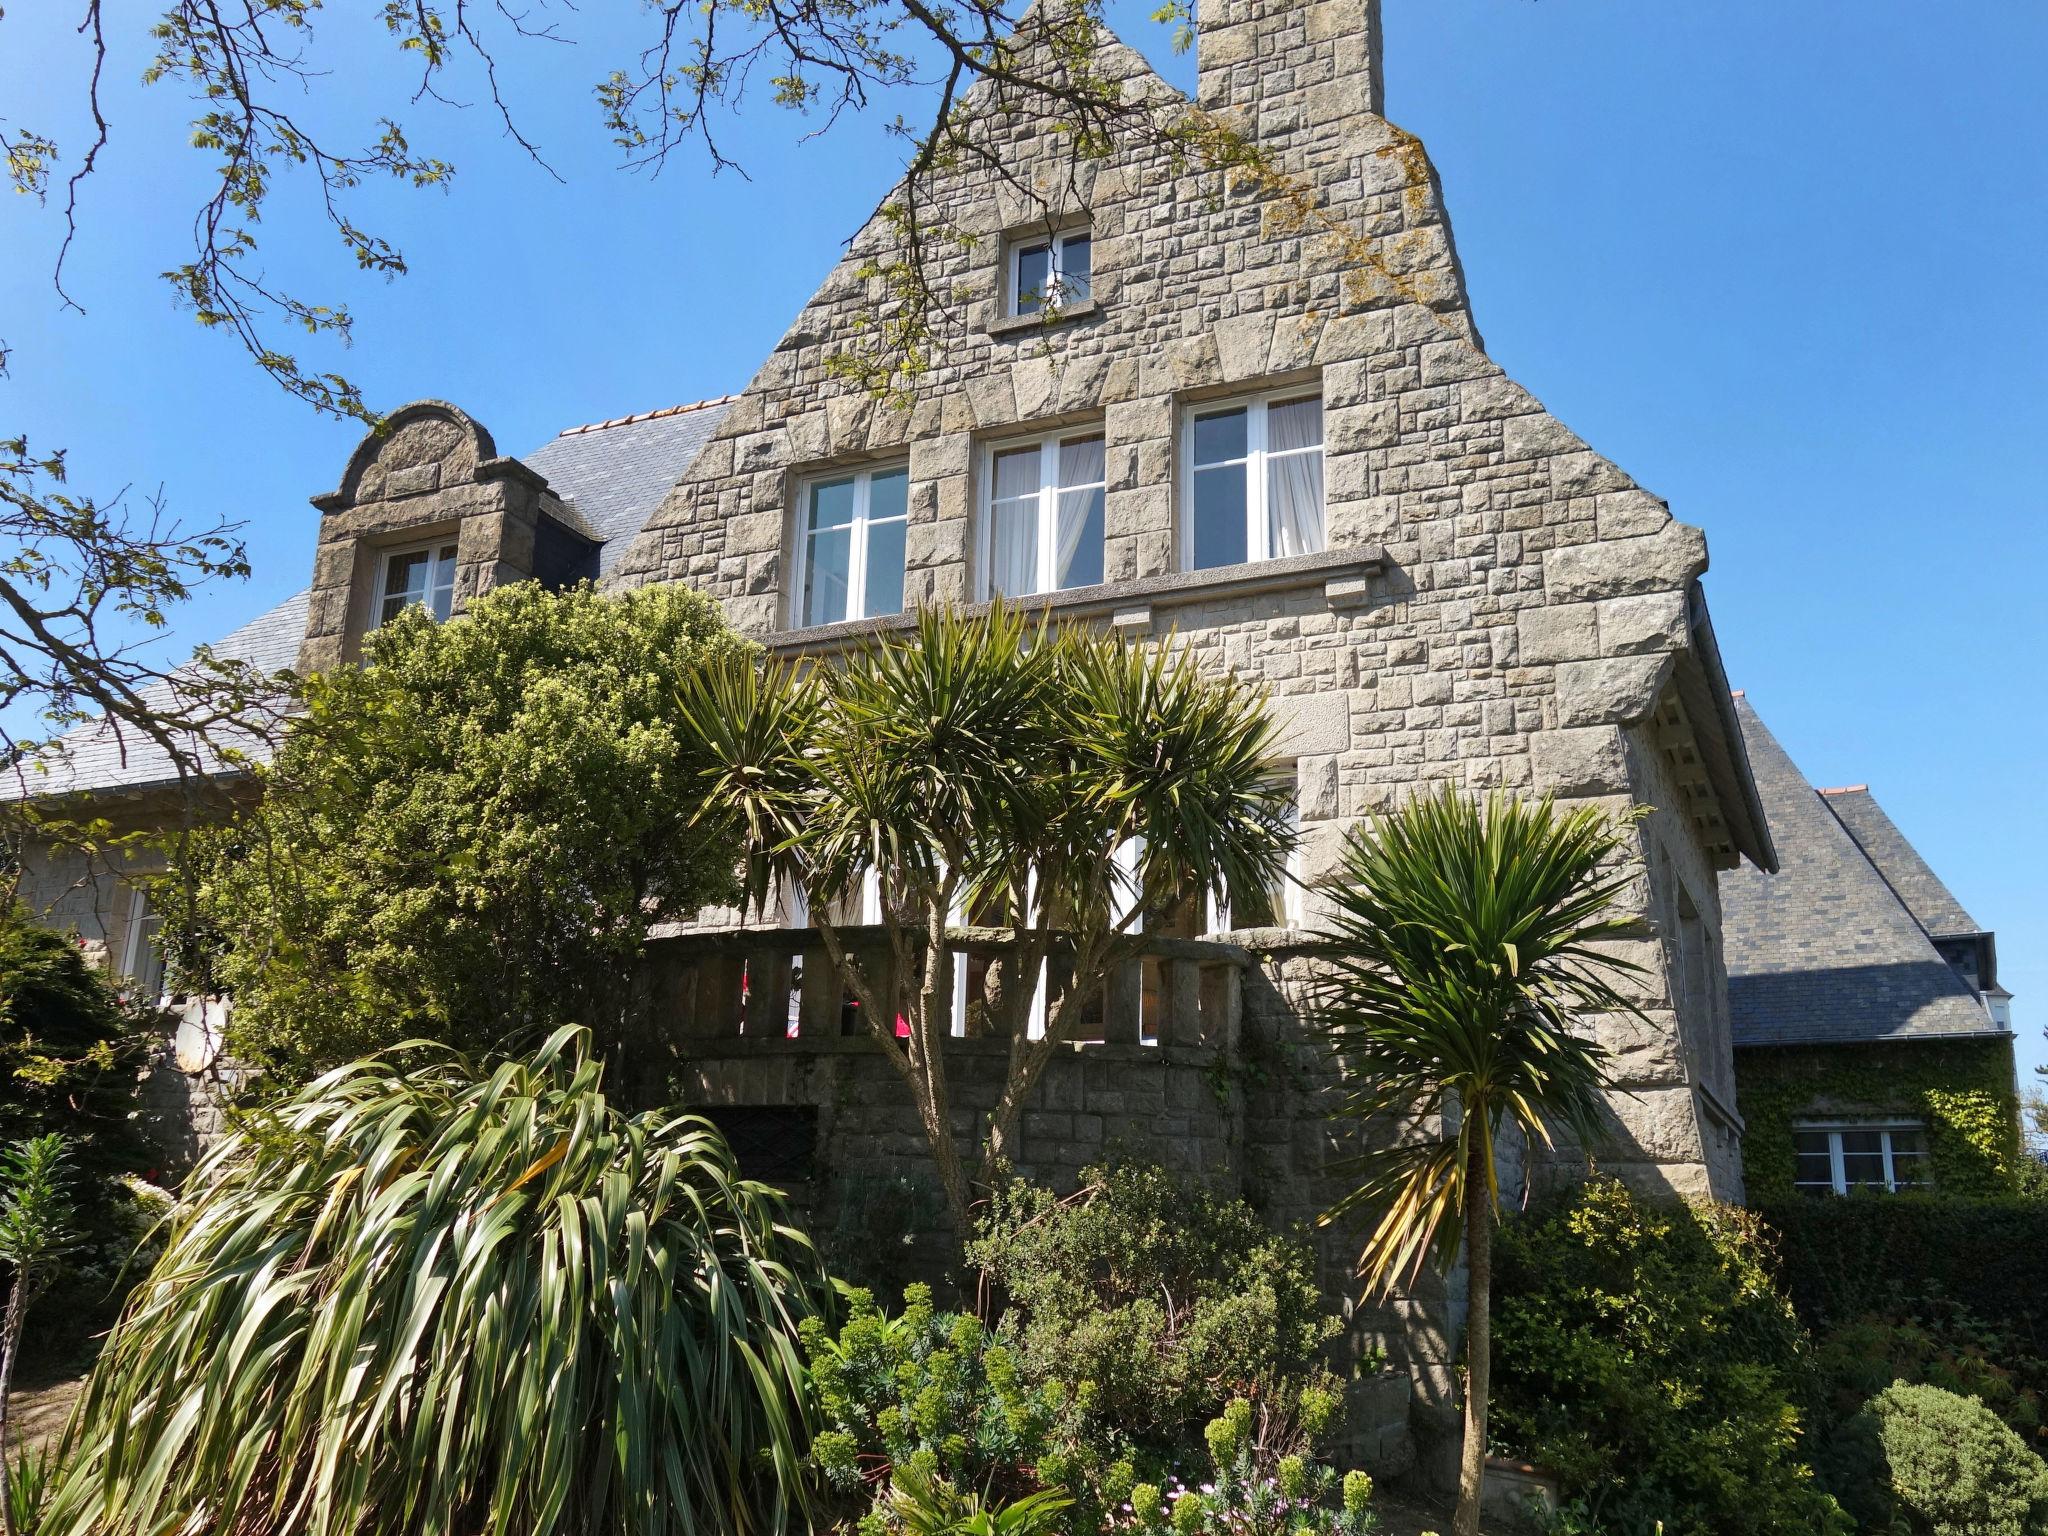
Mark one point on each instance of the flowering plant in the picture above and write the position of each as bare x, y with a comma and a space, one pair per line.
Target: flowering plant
1264, 1481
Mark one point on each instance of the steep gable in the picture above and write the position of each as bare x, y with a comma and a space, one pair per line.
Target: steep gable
1824, 950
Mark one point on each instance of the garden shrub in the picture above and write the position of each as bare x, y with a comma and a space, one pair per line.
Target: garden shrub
1264, 1480
935, 1392
466, 838
1935, 1343
1161, 1300
70, 1059
1956, 1470
1844, 1259
1642, 1354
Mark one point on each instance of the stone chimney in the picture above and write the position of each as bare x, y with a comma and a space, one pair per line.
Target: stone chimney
1294, 65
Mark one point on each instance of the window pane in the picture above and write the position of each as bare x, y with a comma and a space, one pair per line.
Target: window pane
1076, 257
830, 558
405, 582
1017, 471
832, 503
1862, 1158
1814, 1167
888, 494
442, 598
1297, 424
1077, 556
1077, 539
885, 568
1294, 503
1909, 1158
1220, 437
1219, 516
1034, 267
1013, 547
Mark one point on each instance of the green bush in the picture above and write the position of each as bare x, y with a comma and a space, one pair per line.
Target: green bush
1955, 1469
1162, 1300
69, 1065
1264, 1480
1934, 1343
1642, 1354
69, 1058
934, 1392
1844, 1259
466, 838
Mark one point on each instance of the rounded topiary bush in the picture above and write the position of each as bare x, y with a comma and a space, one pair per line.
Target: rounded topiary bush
1956, 1468
412, 1296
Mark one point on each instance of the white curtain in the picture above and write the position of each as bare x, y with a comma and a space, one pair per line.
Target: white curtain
1013, 524
1294, 477
1080, 513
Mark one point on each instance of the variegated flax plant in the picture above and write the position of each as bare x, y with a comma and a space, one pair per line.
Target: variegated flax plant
1466, 947
419, 1297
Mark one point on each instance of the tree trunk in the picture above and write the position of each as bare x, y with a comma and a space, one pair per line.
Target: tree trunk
1478, 1340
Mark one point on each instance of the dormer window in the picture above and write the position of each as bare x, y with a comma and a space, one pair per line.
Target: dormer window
1051, 273
418, 573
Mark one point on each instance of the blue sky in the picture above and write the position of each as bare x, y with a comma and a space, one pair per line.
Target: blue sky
1782, 262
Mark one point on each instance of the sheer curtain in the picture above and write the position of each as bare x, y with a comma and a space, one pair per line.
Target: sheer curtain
1013, 524
1077, 549
1294, 477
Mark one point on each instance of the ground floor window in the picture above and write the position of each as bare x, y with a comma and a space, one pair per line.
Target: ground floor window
1834, 1159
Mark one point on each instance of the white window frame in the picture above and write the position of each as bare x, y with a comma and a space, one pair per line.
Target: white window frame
380, 589
1837, 1174
1293, 913
1258, 529
1049, 489
136, 958
857, 540
1053, 300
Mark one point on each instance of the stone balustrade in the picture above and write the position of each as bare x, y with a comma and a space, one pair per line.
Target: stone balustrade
781, 984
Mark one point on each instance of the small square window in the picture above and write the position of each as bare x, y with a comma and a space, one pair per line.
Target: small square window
1254, 483
1049, 273
422, 574
1043, 517
851, 541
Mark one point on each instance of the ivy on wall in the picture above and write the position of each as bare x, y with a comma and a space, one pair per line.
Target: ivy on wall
1961, 1089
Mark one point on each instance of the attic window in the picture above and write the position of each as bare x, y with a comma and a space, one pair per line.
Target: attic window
1051, 273
418, 573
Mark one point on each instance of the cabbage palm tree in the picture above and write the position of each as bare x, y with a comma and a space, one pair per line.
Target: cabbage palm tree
415, 1296
1057, 783
1464, 949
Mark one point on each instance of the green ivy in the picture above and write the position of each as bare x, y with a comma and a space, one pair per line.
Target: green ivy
1962, 1090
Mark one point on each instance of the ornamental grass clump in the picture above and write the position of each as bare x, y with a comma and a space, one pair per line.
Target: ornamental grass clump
412, 1296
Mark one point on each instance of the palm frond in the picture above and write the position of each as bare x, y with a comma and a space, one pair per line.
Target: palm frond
1463, 958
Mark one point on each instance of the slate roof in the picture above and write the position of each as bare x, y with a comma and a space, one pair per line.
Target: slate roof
614, 474
1930, 902
97, 758
1826, 950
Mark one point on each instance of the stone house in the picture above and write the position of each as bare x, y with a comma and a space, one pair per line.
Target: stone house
1873, 1043
1179, 406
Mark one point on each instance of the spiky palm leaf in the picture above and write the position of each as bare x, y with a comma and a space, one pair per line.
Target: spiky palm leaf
1464, 944
415, 1299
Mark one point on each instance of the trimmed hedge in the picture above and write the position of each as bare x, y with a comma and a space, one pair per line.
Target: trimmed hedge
1840, 1259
